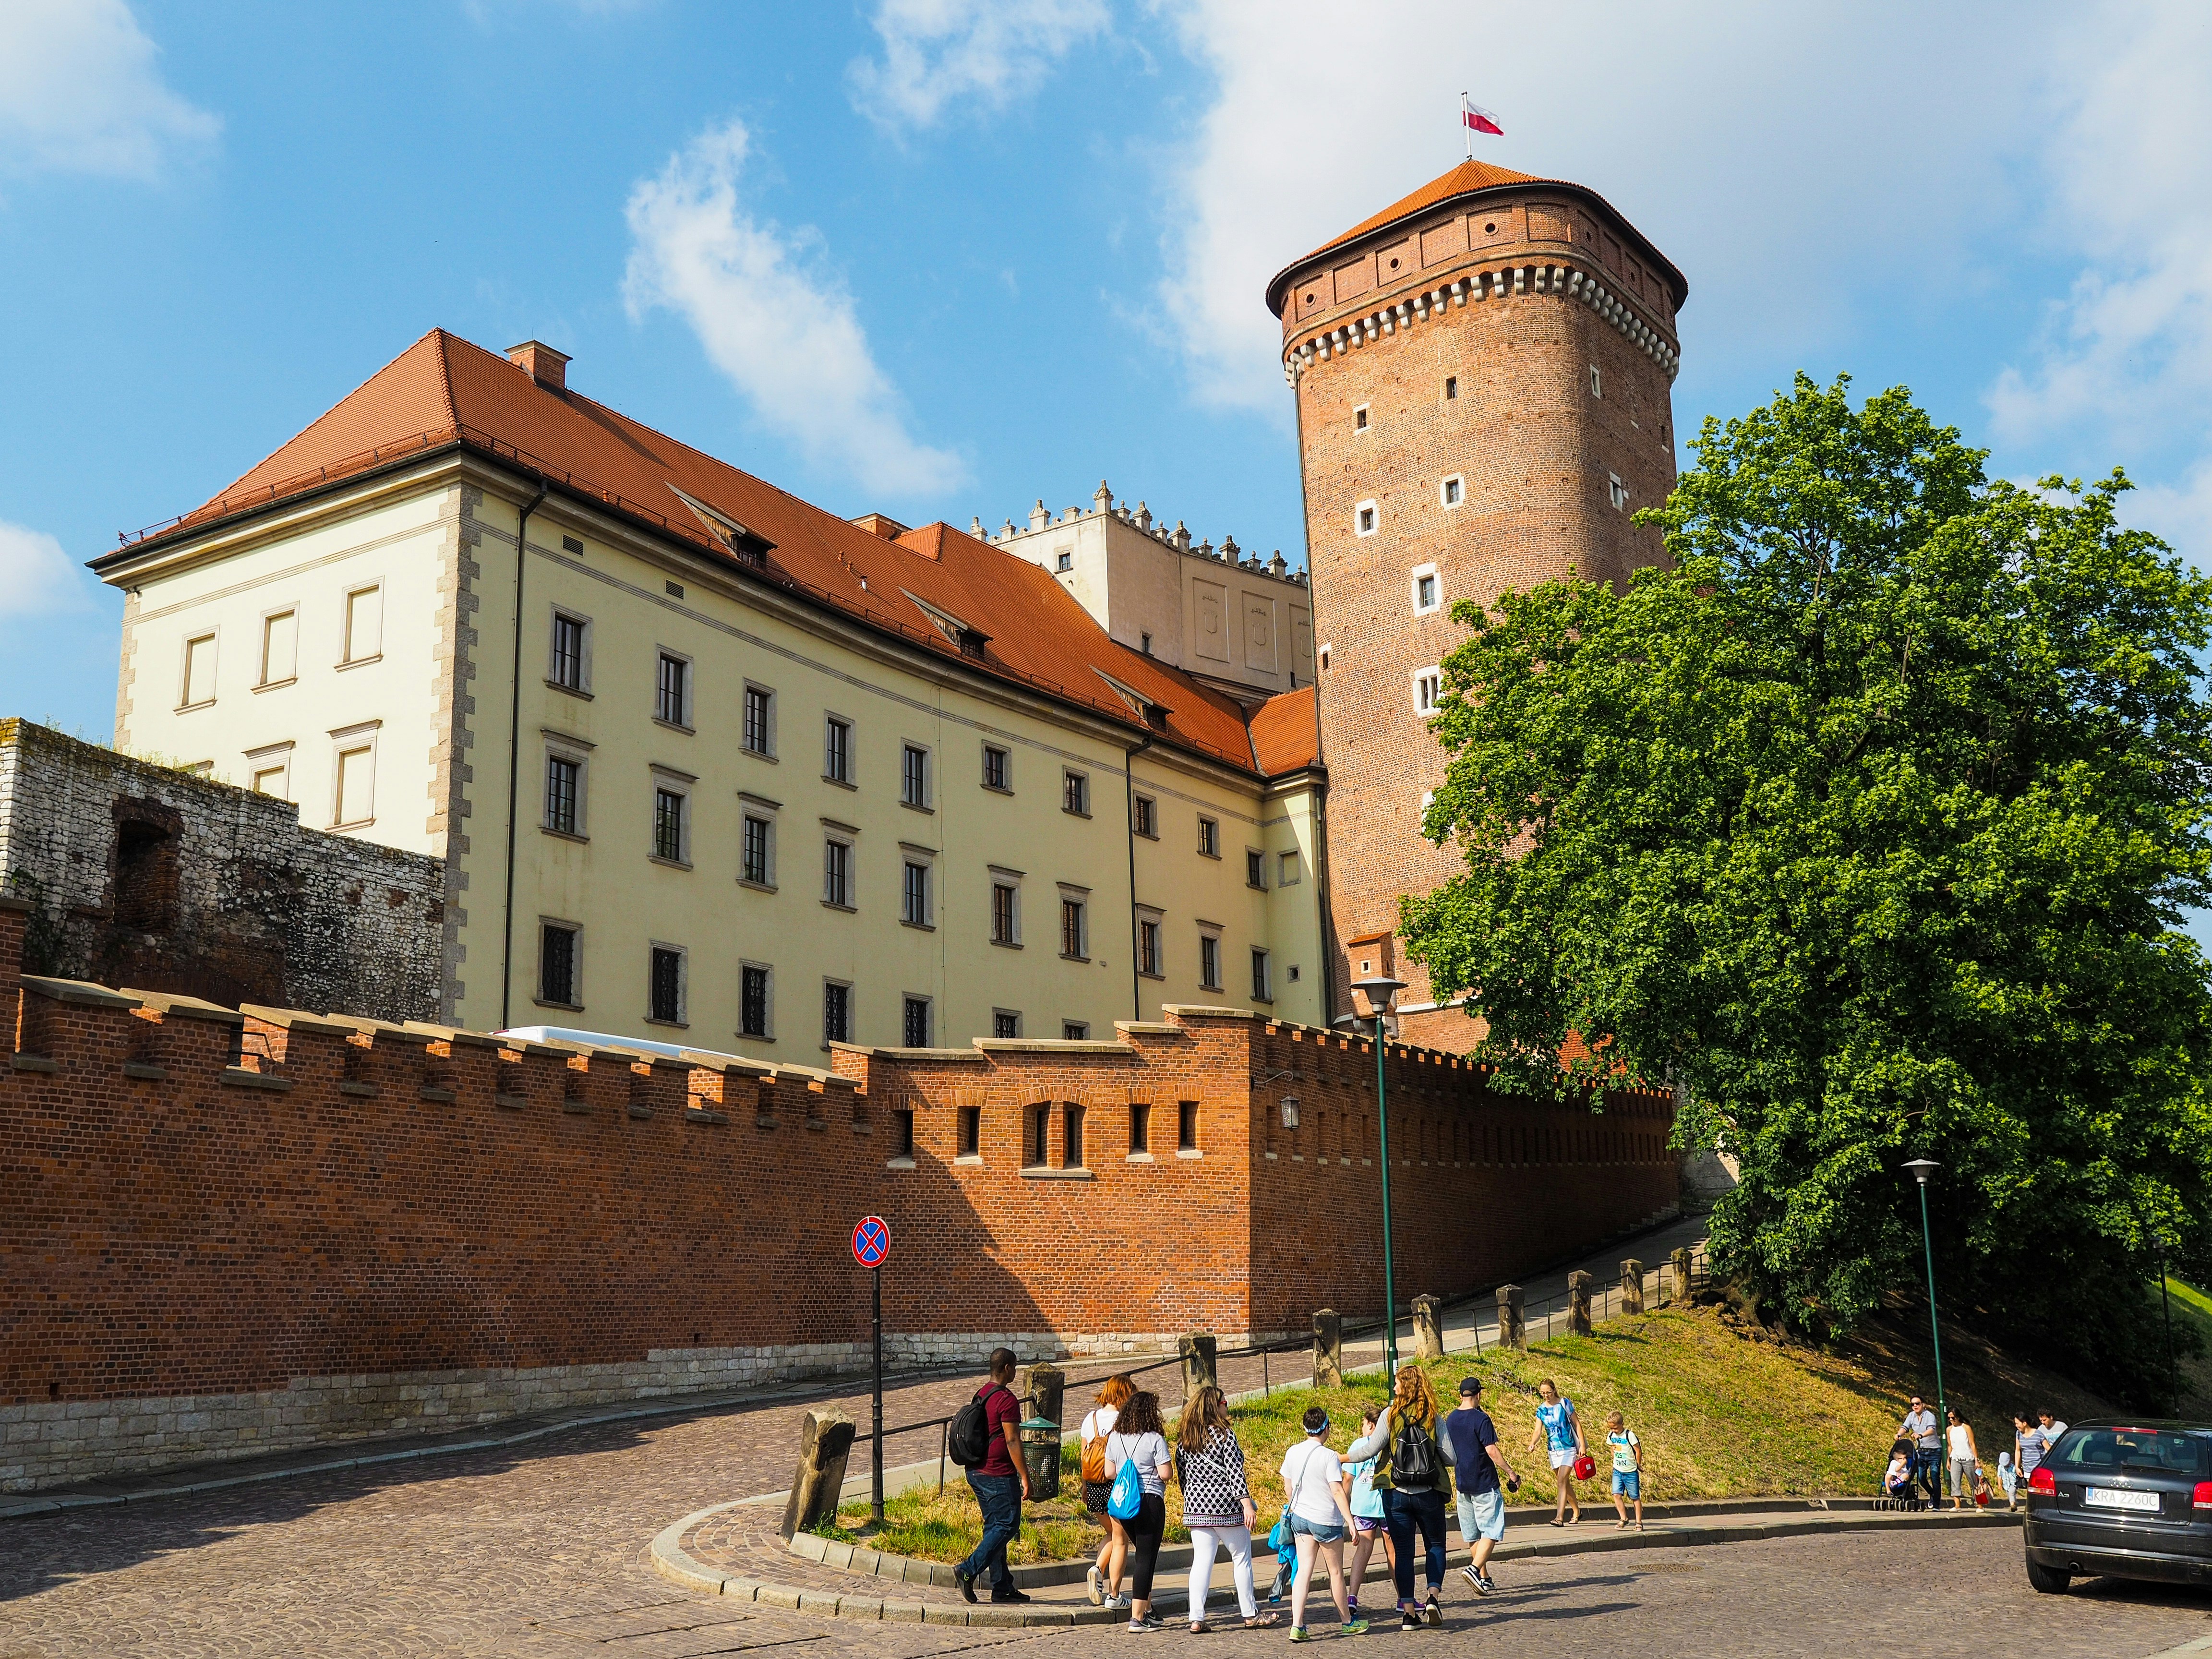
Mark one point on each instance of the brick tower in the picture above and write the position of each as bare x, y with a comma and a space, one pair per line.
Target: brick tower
1482, 375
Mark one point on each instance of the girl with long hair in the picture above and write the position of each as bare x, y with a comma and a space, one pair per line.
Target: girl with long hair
1105, 1575
1561, 1431
1217, 1506
1409, 1473
1138, 1436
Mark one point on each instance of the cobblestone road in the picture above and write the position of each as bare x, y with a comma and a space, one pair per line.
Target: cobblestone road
489, 1555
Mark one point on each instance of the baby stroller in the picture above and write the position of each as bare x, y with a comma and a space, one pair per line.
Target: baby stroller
1900, 1482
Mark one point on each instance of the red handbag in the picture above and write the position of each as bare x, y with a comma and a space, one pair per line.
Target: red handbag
1585, 1468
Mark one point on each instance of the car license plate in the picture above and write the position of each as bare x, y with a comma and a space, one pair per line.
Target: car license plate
2111, 1497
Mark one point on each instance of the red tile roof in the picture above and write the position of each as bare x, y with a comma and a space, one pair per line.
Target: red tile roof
444, 391
1287, 731
1465, 179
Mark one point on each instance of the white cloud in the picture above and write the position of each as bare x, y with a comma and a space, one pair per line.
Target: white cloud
81, 91
1794, 161
941, 52
2127, 355
781, 329
36, 576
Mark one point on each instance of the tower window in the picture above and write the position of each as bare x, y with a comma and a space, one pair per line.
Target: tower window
1597, 382
1359, 418
1428, 595
1453, 490
1064, 562
1619, 493
1451, 387
1364, 519
1428, 690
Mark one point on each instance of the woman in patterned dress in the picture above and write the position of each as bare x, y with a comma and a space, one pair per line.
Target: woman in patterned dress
1217, 1506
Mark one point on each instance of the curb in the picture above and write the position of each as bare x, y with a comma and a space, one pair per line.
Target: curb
672, 1562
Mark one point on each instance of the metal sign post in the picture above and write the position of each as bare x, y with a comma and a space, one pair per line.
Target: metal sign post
871, 1243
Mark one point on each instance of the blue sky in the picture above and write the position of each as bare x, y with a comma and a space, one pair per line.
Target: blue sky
941, 258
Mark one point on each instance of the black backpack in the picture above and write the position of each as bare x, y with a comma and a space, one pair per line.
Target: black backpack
1415, 1463
968, 1442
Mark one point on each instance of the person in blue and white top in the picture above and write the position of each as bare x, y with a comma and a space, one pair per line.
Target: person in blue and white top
1561, 1431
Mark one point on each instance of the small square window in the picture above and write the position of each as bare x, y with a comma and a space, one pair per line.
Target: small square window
1074, 1030
971, 1132
1064, 562
664, 986
998, 768
1359, 418
1454, 490
1187, 1126
914, 1026
1006, 1023
1363, 520
1425, 593
557, 965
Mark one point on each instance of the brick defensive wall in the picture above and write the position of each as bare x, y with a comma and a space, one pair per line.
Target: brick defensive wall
226, 1231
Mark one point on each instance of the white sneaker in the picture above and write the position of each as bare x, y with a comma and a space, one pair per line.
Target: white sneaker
1097, 1583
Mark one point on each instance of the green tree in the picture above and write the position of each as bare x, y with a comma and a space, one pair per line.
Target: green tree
1871, 822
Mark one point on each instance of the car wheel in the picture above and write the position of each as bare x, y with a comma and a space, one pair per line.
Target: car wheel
2048, 1580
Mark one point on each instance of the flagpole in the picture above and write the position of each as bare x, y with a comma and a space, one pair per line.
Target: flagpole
1467, 126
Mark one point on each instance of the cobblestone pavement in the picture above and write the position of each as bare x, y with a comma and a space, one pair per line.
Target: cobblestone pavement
544, 1556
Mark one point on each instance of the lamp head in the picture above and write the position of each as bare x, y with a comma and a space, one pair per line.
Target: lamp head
1921, 1166
1378, 988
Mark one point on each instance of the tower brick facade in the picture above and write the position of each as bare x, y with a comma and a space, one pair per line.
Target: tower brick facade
1481, 372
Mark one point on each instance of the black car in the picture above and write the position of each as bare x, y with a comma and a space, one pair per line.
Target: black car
2122, 1500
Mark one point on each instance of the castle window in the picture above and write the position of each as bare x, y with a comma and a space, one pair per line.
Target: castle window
280, 641
1147, 823
1597, 382
1064, 562
1075, 793
837, 873
557, 980
564, 782
1322, 656
1453, 491
1256, 868
199, 671
754, 1001
1209, 838
1006, 909
1619, 493
760, 720
570, 668
1451, 387
1364, 519
672, 702
668, 826
1209, 961
1140, 1127
914, 776
998, 768
1262, 988
1148, 946
1007, 1026
914, 897
755, 853
1073, 929
364, 625
913, 1025
1428, 690
665, 987
837, 750
1428, 594
1359, 418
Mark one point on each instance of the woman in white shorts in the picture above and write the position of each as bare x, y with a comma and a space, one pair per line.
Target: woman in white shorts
1561, 1431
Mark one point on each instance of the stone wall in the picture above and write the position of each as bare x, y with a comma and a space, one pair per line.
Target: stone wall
142, 875
229, 1231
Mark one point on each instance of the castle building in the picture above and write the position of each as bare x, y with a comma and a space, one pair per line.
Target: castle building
1234, 622
708, 765
1482, 375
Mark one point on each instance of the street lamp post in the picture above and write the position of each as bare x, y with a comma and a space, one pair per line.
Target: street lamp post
1379, 988
1920, 1167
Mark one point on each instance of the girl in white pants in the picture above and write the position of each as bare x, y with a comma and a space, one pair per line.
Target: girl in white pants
1217, 1506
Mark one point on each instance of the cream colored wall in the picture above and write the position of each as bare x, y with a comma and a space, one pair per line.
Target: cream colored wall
625, 902
393, 544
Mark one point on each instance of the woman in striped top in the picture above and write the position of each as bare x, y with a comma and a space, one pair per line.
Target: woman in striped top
1217, 1506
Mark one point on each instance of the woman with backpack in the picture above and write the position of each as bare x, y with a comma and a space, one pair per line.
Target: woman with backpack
1105, 1575
1138, 1464
1409, 1473
1217, 1506
1562, 1433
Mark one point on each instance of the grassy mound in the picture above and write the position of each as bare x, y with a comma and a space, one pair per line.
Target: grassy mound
1725, 1408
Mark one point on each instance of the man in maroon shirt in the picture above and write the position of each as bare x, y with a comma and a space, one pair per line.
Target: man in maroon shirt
1000, 1482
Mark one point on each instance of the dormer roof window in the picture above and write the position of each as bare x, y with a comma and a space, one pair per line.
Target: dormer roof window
746, 543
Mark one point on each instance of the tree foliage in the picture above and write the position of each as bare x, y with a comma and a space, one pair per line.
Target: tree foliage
1871, 822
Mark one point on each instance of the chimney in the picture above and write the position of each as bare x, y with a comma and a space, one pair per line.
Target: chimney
548, 368
880, 524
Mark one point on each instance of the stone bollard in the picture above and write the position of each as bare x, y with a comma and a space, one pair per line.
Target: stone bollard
1632, 1287
1328, 1349
1198, 1350
1681, 1264
825, 1440
1512, 1328
1428, 1328
1579, 1319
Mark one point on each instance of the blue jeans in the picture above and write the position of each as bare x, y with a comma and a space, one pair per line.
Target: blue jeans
1402, 1512
999, 1497
1927, 1467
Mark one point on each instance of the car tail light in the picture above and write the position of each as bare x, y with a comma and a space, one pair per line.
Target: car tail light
2045, 1481
2203, 1498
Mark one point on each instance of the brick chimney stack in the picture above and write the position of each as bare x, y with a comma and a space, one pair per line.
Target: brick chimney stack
547, 366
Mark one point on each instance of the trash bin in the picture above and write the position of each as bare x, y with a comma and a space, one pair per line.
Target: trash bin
1041, 1452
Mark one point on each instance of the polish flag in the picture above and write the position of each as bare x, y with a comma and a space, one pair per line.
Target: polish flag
1478, 119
